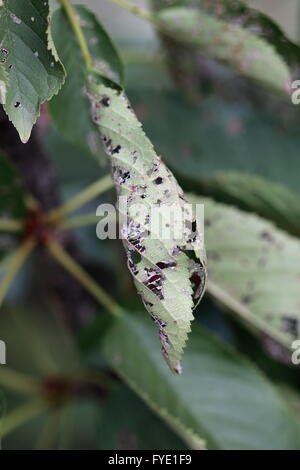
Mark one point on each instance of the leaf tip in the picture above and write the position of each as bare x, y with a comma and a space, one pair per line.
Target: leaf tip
178, 368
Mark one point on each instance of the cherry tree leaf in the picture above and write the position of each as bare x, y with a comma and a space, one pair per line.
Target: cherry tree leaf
254, 271
222, 401
169, 271
272, 201
33, 72
245, 52
255, 21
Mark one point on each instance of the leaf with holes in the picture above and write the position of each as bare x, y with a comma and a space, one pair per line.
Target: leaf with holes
70, 109
245, 52
167, 264
33, 73
254, 271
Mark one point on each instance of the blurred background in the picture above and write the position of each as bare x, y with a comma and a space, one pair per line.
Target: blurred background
219, 124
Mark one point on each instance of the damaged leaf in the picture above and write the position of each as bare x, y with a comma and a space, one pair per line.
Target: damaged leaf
248, 54
168, 268
254, 271
237, 12
33, 73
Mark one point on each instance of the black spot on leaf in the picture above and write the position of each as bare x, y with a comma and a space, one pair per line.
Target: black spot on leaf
167, 264
154, 281
158, 180
105, 100
290, 325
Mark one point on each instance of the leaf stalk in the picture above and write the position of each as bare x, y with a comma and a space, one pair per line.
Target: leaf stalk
73, 17
81, 198
15, 264
84, 278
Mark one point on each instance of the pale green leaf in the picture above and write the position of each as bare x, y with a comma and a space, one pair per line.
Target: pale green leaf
168, 279
254, 270
34, 74
3, 83
220, 402
251, 19
245, 52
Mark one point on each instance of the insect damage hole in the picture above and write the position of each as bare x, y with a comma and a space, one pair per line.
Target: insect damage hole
154, 281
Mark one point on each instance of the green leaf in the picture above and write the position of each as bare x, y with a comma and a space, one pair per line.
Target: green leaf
221, 398
246, 53
251, 19
254, 270
3, 82
29, 329
34, 74
291, 395
168, 271
235, 11
70, 110
122, 425
252, 193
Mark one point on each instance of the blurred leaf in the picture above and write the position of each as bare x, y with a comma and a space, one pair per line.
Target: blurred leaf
292, 396
246, 53
26, 435
29, 330
254, 270
220, 397
252, 19
34, 73
195, 69
252, 193
127, 424
142, 180
73, 165
70, 110
91, 334
79, 424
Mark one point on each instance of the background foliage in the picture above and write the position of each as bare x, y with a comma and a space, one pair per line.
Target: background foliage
78, 377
